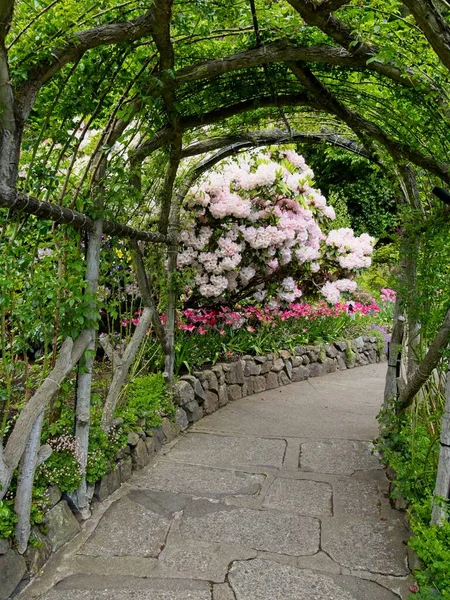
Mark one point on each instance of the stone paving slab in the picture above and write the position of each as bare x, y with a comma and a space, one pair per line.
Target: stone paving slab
343, 405
342, 457
223, 592
93, 587
125, 566
196, 559
369, 543
195, 480
231, 513
258, 529
263, 580
128, 528
162, 503
303, 496
358, 497
215, 450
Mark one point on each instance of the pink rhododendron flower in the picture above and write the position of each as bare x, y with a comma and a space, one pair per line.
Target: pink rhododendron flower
257, 218
388, 295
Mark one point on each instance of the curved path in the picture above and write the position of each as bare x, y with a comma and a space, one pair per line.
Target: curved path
274, 497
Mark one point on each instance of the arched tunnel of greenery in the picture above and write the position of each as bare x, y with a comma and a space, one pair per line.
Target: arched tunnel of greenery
111, 113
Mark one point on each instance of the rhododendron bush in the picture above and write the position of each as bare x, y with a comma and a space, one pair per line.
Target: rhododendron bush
258, 227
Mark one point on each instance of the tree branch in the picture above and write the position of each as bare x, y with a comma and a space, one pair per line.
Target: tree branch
332, 5
121, 369
163, 136
427, 366
276, 136
69, 355
6, 13
280, 51
323, 99
147, 297
14, 200
321, 16
80, 42
434, 26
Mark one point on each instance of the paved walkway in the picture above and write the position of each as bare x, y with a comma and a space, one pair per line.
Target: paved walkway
274, 497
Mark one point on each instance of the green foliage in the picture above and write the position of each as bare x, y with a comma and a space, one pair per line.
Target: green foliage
194, 351
338, 202
7, 519
363, 198
381, 339
381, 274
431, 299
432, 545
409, 444
61, 469
146, 399
102, 451
349, 353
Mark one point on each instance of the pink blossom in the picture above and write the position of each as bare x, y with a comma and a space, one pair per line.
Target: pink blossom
388, 295
252, 216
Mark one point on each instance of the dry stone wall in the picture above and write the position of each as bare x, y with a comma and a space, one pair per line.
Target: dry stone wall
196, 395
205, 391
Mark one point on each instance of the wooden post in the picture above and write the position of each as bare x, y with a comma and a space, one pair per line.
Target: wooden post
442, 489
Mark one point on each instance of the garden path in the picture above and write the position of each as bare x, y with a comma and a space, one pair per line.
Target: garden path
274, 497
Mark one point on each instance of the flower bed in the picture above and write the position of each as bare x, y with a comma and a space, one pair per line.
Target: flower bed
253, 330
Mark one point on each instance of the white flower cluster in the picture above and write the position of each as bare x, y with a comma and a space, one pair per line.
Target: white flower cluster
332, 289
256, 216
352, 252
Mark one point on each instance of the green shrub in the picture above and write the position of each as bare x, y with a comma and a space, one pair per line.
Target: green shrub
103, 448
63, 467
7, 519
432, 545
146, 398
381, 274
409, 445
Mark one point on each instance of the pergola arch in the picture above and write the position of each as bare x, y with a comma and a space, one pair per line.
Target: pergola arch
325, 60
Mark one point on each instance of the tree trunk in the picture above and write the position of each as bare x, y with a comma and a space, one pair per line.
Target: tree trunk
147, 297
122, 367
34, 455
442, 489
172, 281
84, 382
169, 364
8, 127
10, 456
410, 252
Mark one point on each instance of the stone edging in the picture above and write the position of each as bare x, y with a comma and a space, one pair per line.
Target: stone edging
196, 395
204, 392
